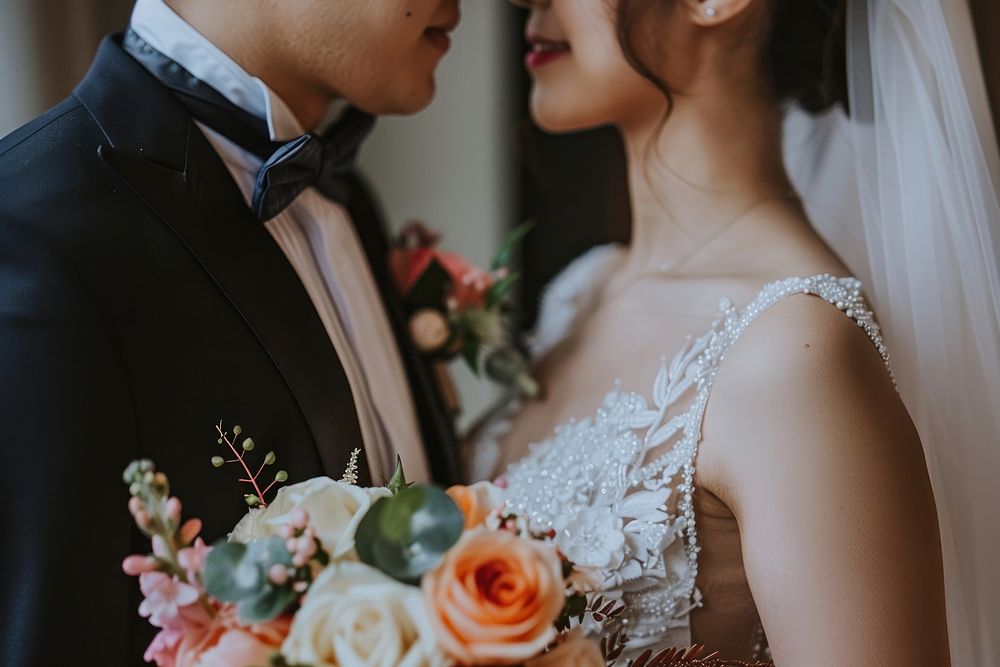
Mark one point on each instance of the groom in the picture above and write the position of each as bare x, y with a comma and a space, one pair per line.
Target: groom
177, 248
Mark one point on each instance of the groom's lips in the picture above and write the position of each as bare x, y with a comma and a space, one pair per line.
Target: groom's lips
438, 37
438, 34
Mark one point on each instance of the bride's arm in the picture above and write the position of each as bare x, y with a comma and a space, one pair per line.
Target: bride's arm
808, 442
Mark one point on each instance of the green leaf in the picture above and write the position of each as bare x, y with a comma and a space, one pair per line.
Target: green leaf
576, 607
431, 289
266, 606
398, 480
223, 578
499, 289
509, 246
408, 534
470, 353
238, 573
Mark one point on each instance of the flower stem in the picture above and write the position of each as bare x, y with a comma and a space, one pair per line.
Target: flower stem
252, 478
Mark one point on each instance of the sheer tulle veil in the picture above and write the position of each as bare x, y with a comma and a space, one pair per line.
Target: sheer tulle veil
905, 190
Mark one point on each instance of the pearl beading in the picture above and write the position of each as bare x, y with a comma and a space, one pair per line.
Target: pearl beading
597, 464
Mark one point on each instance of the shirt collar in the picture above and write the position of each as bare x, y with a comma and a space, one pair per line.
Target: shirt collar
171, 35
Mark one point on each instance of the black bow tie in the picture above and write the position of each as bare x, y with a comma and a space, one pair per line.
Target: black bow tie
289, 168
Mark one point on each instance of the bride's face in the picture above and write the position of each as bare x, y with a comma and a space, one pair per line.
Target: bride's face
581, 76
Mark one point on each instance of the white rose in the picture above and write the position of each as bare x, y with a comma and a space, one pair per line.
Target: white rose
355, 616
335, 510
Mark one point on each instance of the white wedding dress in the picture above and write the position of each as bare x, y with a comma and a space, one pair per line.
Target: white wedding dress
617, 487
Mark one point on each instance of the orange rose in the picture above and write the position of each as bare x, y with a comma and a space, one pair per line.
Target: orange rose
476, 501
229, 642
495, 597
576, 650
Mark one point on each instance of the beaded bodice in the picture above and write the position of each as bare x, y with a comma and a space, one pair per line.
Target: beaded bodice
616, 488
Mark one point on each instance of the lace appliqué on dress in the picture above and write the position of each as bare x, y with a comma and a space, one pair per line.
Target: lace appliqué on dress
629, 519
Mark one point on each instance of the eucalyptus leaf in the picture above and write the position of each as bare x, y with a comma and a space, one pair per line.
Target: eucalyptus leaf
408, 534
269, 605
238, 573
223, 578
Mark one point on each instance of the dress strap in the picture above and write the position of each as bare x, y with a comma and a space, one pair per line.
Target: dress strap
844, 293
700, 371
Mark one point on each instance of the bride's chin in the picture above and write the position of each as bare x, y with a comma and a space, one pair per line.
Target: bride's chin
558, 114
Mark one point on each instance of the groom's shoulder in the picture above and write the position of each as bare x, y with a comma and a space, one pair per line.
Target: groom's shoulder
55, 130
49, 168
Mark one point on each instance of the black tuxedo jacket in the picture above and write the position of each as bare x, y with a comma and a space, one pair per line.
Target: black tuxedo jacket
140, 303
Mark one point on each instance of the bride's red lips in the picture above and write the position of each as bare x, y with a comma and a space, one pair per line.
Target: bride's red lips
544, 50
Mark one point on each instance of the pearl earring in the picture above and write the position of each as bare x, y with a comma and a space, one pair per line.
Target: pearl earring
710, 11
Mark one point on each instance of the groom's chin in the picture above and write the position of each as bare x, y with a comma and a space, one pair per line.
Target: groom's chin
404, 103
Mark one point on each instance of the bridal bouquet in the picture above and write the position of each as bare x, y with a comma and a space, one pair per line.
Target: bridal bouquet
333, 574
330, 573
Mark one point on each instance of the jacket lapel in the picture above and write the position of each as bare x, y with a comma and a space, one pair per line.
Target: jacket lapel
166, 160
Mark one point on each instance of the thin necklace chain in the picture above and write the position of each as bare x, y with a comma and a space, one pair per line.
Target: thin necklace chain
663, 269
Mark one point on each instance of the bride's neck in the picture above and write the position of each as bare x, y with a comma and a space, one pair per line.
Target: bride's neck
713, 163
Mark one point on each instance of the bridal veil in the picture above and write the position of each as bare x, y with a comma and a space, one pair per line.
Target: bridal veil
904, 188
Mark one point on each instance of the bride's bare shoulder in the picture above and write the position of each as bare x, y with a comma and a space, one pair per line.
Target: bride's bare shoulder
808, 443
802, 381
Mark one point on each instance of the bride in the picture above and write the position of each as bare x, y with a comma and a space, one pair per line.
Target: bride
754, 478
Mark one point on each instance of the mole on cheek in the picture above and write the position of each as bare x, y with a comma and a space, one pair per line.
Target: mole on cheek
409, 14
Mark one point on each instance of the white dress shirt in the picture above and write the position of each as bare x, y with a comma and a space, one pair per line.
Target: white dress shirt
320, 242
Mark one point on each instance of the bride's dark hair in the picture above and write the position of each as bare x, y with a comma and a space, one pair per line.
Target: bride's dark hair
806, 49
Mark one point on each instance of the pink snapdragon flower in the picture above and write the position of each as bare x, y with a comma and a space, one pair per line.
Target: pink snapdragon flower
137, 564
192, 559
165, 597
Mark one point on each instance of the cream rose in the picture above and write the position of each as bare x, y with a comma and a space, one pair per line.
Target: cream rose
356, 616
335, 510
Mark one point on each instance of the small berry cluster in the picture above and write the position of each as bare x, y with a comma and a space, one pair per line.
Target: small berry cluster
255, 499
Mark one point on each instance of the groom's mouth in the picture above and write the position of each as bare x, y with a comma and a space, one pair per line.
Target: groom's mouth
543, 51
439, 35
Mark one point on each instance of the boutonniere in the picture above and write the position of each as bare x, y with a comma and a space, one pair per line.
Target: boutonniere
458, 309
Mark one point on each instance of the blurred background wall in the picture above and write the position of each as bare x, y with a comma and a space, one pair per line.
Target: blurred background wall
45, 48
